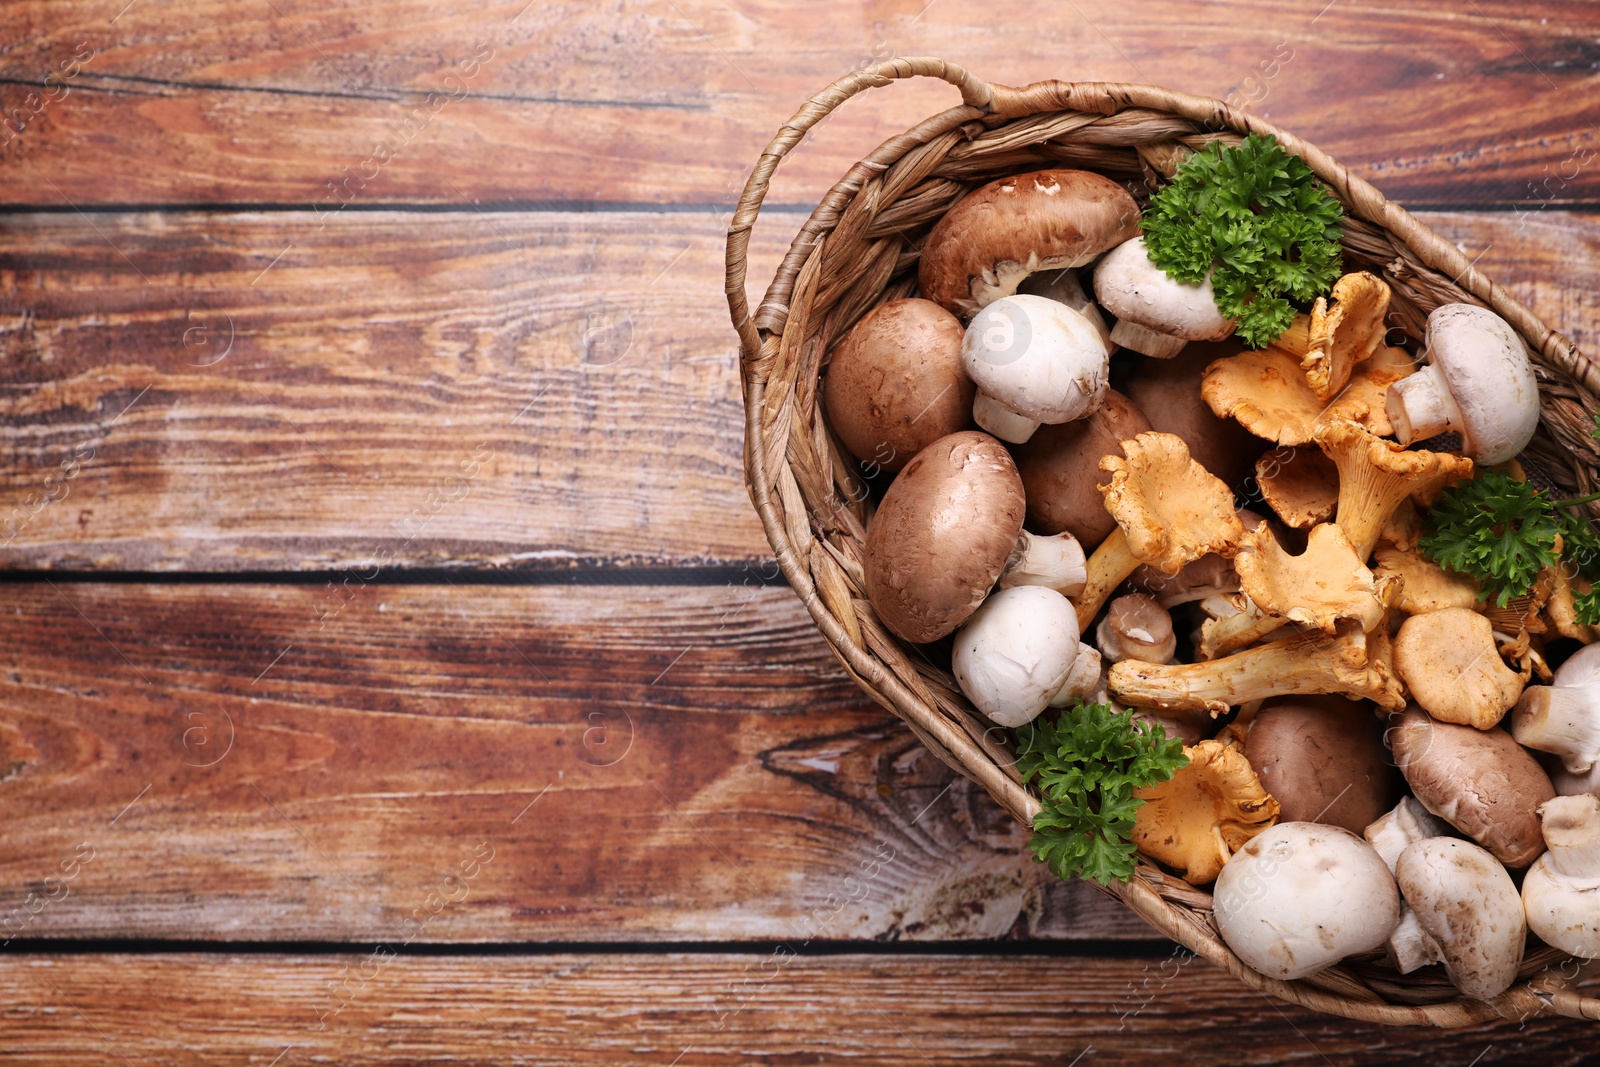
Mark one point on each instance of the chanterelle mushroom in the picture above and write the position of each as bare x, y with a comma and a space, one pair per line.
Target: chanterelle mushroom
948, 528
1033, 361
1376, 475
1169, 510
1424, 585
1167, 392
1564, 717
1301, 897
1347, 327
1156, 316
1478, 383
1015, 652
1561, 893
1326, 583
1300, 484
1464, 913
1479, 781
1197, 819
995, 236
1450, 663
1315, 663
1267, 393
894, 384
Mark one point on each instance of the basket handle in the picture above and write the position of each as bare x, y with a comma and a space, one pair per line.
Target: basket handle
975, 93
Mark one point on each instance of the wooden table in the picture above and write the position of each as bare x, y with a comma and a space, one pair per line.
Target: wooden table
393, 669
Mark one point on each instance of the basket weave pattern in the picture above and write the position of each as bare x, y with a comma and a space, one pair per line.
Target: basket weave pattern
860, 247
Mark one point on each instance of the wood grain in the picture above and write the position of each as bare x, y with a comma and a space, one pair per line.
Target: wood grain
509, 390
271, 762
699, 1010
668, 101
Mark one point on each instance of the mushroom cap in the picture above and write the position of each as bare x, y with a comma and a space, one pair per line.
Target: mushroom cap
1268, 394
1136, 290
1465, 901
1170, 508
1346, 328
1167, 391
1451, 664
1561, 891
894, 384
1479, 781
998, 234
1580, 668
1060, 466
1325, 583
1198, 579
1015, 652
1486, 366
1302, 896
942, 535
1136, 626
1197, 819
1300, 484
1038, 357
1322, 758
1424, 585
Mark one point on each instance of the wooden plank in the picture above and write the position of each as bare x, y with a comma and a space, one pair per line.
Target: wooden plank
510, 389
666, 101
375, 1007
248, 762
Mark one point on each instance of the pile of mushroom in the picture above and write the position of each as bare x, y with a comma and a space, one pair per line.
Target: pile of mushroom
1063, 524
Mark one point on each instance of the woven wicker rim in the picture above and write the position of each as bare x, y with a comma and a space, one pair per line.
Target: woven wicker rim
857, 249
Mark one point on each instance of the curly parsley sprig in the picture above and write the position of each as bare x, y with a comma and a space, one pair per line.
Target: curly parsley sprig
1259, 217
1502, 532
1087, 762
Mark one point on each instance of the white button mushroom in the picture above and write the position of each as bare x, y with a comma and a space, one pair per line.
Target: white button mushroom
1478, 383
1016, 652
1034, 361
1156, 316
1564, 716
1302, 896
1561, 893
1465, 914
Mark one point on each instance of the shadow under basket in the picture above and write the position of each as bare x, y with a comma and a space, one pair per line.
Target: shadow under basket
860, 248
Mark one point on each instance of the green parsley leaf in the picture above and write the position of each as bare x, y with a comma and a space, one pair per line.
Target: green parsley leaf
1260, 219
1087, 761
1500, 531
1587, 607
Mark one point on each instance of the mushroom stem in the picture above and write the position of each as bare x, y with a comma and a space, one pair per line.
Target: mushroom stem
1410, 947
1218, 637
1001, 421
1110, 565
1055, 562
1420, 406
1083, 680
1145, 341
1562, 719
1572, 833
1408, 822
1316, 664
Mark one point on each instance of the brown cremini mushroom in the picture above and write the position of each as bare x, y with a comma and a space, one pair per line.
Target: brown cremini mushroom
1136, 627
1060, 467
1450, 663
894, 384
1350, 662
1169, 510
1197, 819
1479, 781
1376, 475
1346, 327
949, 528
1322, 758
1167, 392
998, 234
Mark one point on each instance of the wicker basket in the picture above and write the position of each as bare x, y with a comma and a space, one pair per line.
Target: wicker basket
860, 247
